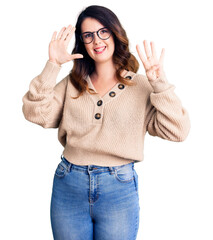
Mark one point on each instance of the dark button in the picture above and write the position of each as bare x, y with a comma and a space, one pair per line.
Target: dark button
99, 103
128, 77
112, 94
97, 115
121, 86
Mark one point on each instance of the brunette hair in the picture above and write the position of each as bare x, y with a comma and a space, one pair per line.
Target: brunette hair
122, 57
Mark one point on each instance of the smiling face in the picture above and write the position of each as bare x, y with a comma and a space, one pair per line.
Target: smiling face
99, 50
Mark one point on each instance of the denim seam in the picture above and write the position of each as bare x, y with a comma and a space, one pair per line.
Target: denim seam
123, 181
136, 227
136, 182
86, 171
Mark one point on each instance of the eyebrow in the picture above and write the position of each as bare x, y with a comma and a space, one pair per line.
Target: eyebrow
87, 32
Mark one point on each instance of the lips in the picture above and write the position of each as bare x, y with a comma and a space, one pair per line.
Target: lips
100, 49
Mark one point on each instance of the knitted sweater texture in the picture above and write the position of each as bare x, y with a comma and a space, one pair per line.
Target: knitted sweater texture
108, 130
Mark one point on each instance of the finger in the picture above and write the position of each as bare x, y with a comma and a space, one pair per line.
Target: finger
60, 33
147, 51
146, 64
140, 54
162, 56
54, 36
70, 34
66, 32
153, 50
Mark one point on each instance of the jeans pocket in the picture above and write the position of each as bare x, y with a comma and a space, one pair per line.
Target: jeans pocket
62, 168
124, 174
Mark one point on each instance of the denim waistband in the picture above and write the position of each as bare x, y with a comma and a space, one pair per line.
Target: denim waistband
95, 167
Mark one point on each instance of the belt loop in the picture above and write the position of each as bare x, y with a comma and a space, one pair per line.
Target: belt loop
69, 167
88, 169
69, 164
111, 169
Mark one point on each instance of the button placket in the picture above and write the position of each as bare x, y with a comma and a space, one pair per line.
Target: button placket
112, 94
121, 86
128, 77
100, 102
97, 116
98, 111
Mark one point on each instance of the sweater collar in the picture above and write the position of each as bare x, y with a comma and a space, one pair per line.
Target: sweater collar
112, 93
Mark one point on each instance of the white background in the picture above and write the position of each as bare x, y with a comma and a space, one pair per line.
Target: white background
175, 179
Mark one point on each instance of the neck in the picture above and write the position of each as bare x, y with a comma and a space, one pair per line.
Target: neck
104, 72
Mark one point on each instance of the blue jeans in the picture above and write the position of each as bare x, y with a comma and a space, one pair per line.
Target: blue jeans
94, 202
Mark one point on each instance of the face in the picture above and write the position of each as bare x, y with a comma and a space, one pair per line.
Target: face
99, 50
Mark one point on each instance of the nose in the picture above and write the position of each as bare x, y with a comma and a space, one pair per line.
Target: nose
96, 39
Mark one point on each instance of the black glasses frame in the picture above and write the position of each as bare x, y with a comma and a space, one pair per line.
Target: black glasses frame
97, 32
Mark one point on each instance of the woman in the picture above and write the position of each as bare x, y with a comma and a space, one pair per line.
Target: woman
103, 110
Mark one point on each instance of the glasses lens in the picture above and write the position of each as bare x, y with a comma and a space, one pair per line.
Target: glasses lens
104, 33
87, 37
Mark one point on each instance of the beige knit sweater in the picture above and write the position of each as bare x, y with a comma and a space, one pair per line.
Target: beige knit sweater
108, 130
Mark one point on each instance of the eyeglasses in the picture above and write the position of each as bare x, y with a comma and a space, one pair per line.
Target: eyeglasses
88, 37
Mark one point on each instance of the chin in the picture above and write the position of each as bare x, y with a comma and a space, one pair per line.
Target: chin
102, 59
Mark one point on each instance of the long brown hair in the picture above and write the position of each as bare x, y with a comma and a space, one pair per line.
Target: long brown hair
122, 57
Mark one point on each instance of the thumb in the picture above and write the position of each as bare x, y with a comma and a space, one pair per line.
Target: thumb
76, 56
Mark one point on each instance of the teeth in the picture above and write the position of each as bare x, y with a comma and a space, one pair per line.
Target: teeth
99, 50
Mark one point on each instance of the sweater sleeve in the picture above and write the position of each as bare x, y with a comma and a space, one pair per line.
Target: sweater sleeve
167, 118
43, 103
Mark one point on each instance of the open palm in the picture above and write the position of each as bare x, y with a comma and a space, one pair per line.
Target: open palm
152, 65
58, 46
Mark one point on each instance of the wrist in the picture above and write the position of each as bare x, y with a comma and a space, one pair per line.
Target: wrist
160, 84
55, 62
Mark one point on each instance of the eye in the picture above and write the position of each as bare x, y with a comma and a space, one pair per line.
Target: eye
104, 31
87, 35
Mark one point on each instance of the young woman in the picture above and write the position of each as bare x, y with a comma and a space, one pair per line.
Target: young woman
103, 110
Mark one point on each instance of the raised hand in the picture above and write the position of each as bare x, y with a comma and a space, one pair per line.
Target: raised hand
58, 46
153, 66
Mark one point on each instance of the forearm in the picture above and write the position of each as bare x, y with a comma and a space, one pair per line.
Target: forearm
43, 102
168, 119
